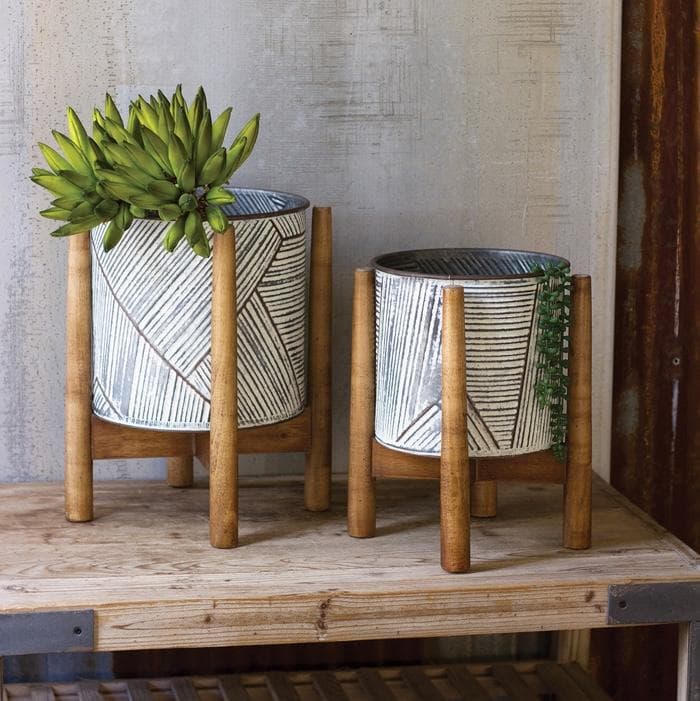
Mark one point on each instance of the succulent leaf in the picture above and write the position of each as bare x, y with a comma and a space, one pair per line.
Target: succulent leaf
56, 213
112, 112
217, 219
218, 129
174, 234
54, 159
112, 236
219, 195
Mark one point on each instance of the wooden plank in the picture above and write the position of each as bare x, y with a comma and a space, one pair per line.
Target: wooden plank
541, 467
89, 691
374, 686
579, 675
111, 441
139, 690
573, 646
232, 688
562, 684
420, 685
183, 689
39, 693
291, 436
280, 687
328, 686
689, 661
513, 684
465, 684
389, 463
146, 569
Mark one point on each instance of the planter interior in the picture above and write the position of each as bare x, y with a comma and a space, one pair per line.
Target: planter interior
501, 327
152, 320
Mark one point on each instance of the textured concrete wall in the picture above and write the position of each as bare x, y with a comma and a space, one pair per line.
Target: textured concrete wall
421, 123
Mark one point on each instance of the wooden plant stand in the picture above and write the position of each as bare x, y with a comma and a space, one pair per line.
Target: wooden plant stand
458, 474
89, 438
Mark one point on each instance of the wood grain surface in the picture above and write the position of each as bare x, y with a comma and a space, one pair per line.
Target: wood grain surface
146, 568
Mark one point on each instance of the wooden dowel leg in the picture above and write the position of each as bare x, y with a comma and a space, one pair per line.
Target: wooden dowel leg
78, 399
577, 488
223, 465
317, 479
361, 487
454, 456
484, 497
180, 472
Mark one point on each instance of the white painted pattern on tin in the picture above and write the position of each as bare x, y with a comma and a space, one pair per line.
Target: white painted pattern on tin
152, 324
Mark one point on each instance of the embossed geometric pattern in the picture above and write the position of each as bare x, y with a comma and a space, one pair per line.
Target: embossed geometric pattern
504, 416
152, 320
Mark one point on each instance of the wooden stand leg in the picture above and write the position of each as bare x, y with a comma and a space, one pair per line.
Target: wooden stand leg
577, 488
484, 498
78, 400
180, 472
454, 457
317, 479
361, 488
223, 460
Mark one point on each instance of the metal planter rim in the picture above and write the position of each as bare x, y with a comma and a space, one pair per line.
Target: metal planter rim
385, 262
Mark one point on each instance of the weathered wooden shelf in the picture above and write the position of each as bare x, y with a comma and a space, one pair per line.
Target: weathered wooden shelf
478, 682
146, 569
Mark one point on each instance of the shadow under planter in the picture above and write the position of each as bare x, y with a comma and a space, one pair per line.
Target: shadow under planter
454, 377
171, 355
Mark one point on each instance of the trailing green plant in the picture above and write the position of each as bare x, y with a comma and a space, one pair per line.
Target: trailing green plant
167, 160
553, 312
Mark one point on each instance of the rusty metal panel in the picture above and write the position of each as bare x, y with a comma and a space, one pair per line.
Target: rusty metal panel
656, 394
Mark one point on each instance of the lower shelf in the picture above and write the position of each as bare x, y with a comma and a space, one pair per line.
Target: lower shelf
521, 681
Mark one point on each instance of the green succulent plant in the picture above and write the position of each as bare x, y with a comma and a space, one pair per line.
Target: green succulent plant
554, 313
168, 160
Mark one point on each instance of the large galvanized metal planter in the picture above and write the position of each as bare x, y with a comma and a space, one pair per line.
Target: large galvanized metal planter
152, 319
501, 328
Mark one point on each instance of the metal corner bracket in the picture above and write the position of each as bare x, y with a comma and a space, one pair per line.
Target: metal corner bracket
667, 602
47, 631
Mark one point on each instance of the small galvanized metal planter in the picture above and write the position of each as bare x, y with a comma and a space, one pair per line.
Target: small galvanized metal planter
502, 328
447, 382
170, 355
